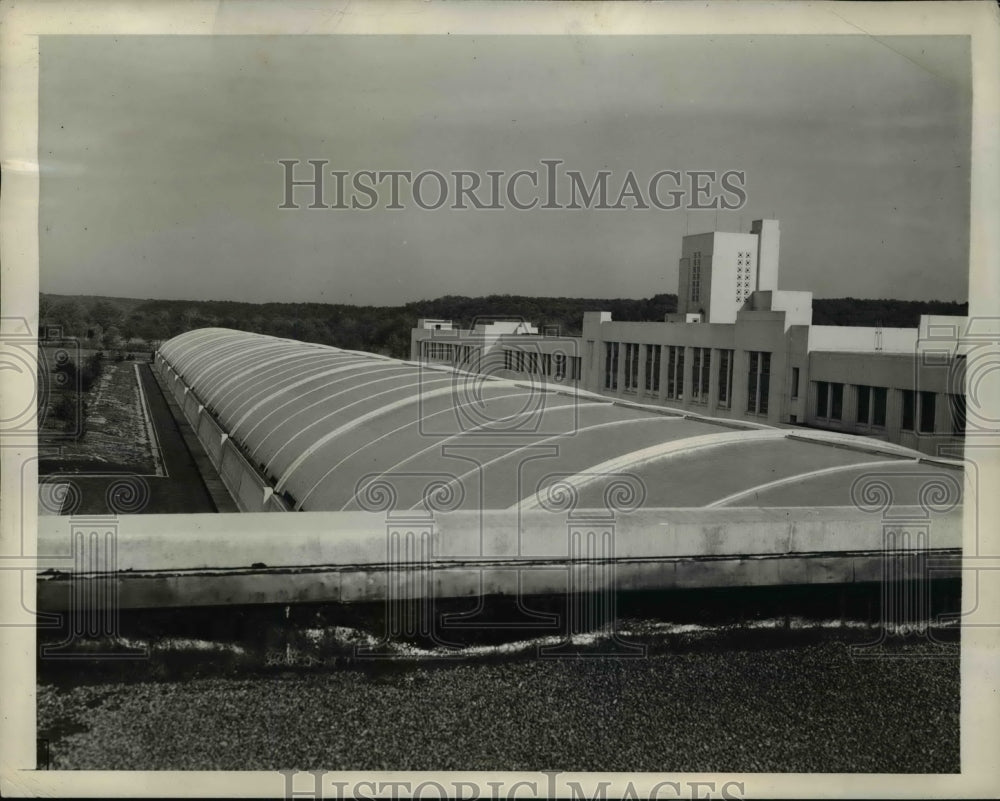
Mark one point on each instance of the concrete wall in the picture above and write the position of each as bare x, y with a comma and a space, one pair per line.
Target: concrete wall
725, 302
753, 331
843, 338
701, 243
345, 556
768, 248
896, 372
797, 306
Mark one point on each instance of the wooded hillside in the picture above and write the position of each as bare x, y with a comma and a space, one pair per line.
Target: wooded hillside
116, 322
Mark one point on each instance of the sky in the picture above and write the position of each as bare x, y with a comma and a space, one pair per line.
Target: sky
160, 175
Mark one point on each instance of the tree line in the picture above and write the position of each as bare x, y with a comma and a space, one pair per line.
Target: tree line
118, 323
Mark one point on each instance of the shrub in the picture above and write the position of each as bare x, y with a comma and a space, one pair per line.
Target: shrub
69, 409
86, 376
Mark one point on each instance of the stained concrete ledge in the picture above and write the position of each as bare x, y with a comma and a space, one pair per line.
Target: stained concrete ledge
359, 556
371, 583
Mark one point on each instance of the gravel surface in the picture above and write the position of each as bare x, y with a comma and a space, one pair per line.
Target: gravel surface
806, 708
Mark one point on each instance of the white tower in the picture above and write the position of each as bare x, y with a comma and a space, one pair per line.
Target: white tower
768, 242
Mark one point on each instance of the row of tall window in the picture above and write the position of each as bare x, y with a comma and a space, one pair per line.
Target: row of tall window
441, 351
665, 364
461, 355
554, 365
918, 409
700, 376
675, 372
725, 378
758, 381
696, 276
653, 362
631, 367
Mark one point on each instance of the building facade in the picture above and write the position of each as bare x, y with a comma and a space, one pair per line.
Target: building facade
501, 348
740, 348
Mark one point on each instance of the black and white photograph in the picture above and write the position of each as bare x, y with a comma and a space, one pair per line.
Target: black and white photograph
538, 391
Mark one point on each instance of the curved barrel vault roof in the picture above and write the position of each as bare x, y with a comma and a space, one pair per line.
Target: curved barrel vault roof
340, 430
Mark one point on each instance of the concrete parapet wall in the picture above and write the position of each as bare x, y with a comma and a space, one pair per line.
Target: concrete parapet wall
366, 556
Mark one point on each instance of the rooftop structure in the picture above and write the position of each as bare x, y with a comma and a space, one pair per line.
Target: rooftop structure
741, 348
297, 426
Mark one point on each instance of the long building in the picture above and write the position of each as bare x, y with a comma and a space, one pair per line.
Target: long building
740, 348
293, 426
440, 482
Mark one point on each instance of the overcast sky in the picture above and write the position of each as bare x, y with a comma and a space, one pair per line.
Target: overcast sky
160, 174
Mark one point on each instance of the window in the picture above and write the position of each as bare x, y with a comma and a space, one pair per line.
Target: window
696, 276
918, 409
927, 409
765, 381
631, 367
611, 365
560, 364
575, 363
546, 364
520, 361
675, 372
829, 400
878, 406
441, 351
957, 404
744, 277
822, 399
508, 359
909, 409
725, 377
795, 383
701, 374
871, 406
836, 401
864, 404
653, 368
532, 363
758, 381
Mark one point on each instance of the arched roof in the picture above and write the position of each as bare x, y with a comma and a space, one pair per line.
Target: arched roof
334, 430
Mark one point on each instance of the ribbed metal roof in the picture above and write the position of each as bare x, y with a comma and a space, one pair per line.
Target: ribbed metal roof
336, 430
